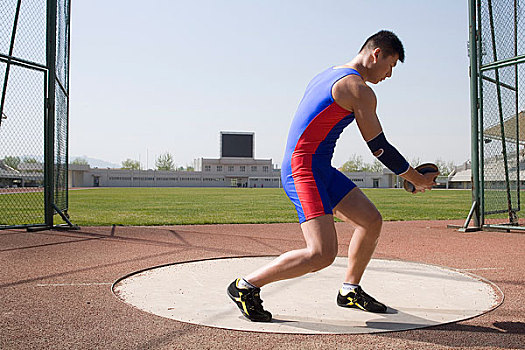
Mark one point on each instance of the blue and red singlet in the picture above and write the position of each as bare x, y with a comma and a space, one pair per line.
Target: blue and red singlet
309, 180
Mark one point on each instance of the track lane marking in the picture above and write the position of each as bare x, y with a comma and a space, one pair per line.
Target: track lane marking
73, 284
483, 268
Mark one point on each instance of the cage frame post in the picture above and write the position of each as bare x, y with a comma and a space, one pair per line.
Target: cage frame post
49, 154
10, 54
49, 125
475, 104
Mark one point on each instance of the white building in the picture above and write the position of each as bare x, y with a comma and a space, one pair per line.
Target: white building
216, 173
385, 179
240, 172
237, 167
221, 172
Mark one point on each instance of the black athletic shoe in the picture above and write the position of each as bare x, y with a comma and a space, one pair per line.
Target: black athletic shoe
249, 302
360, 300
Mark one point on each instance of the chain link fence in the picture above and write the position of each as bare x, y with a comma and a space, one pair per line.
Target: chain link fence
61, 106
33, 136
61, 154
501, 33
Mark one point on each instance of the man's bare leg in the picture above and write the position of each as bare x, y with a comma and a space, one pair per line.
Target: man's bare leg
321, 250
357, 209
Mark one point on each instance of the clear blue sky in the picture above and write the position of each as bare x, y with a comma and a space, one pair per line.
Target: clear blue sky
168, 75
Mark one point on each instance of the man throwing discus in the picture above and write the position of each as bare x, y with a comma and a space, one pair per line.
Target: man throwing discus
333, 100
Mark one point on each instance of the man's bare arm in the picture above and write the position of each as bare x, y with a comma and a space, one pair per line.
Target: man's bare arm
354, 95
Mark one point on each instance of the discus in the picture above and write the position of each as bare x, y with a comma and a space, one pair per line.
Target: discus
422, 169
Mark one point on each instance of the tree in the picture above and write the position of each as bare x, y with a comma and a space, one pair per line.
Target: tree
131, 164
165, 162
354, 164
30, 160
12, 162
80, 161
415, 162
189, 168
445, 168
377, 166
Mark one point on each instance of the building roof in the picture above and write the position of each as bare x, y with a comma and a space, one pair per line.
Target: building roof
461, 176
493, 171
509, 125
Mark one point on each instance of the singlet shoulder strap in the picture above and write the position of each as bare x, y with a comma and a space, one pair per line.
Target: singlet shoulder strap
350, 71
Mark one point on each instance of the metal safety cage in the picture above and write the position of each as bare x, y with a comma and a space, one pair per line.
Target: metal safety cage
34, 106
497, 79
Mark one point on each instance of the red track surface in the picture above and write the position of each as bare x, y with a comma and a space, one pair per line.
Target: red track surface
55, 287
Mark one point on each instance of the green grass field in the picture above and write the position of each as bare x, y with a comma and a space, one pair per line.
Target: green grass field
22, 208
186, 206
180, 206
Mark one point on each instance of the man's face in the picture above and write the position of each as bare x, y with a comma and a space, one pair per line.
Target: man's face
383, 66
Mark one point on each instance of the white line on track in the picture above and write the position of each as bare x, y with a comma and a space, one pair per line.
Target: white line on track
483, 268
73, 284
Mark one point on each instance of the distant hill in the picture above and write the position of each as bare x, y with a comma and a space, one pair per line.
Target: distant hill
95, 163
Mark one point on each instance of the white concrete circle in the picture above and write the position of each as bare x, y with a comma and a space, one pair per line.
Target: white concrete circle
418, 295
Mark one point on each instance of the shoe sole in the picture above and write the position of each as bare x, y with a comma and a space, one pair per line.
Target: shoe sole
359, 307
355, 306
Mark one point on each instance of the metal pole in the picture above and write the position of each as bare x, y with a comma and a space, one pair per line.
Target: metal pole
11, 46
517, 106
49, 126
481, 127
503, 63
66, 88
474, 103
507, 86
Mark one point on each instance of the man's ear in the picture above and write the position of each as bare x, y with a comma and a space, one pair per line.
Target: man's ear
375, 54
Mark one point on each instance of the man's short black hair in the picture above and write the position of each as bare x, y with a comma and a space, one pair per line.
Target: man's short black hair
388, 42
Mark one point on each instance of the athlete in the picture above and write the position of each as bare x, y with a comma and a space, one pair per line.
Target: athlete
333, 99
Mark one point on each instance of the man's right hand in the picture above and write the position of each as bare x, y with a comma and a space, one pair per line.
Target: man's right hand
421, 182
